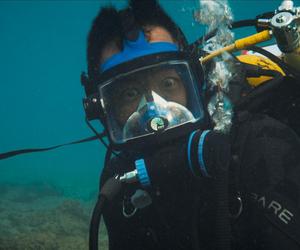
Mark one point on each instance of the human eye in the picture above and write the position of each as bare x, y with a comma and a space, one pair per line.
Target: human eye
169, 83
129, 94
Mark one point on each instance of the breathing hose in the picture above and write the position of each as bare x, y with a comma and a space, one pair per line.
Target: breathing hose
239, 45
109, 190
284, 66
95, 222
234, 25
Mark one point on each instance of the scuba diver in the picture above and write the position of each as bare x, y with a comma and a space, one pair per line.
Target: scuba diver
170, 181
172, 177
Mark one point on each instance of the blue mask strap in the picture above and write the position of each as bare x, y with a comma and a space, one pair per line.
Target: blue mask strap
137, 48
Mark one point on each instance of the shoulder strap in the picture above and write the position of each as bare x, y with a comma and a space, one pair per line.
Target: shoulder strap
280, 212
274, 205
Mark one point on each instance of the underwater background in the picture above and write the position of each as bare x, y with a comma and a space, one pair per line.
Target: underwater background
46, 198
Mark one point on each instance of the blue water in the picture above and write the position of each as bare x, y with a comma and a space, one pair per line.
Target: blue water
42, 53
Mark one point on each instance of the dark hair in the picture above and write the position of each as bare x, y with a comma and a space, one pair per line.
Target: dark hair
111, 25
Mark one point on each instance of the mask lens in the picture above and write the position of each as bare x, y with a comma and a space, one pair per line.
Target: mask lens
150, 100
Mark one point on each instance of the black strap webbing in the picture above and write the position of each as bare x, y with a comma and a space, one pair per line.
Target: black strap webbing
280, 211
33, 150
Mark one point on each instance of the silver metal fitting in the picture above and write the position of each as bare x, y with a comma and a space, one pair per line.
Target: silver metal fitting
282, 19
286, 5
264, 23
285, 29
129, 177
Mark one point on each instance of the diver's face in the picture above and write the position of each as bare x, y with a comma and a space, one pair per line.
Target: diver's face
129, 92
166, 83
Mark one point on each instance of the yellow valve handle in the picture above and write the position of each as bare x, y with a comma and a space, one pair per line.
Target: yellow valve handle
239, 45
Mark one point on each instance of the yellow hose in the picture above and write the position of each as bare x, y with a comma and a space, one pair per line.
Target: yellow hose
239, 45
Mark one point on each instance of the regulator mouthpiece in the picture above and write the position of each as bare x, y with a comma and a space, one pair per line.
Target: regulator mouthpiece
155, 116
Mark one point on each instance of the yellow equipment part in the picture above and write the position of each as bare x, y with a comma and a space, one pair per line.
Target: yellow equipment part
239, 44
264, 63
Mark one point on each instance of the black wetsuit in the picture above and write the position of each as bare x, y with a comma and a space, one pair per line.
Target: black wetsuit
265, 170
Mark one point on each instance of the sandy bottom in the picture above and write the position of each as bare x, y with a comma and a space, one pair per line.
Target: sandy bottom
39, 216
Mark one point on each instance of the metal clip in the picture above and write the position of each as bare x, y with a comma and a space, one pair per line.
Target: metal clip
128, 214
240, 209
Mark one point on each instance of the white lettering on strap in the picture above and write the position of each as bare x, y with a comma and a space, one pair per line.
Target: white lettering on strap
285, 216
282, 213
262, 200
274, 204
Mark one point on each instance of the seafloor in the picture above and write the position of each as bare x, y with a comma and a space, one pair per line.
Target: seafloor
40, 216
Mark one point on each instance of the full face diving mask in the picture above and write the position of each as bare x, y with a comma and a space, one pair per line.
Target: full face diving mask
148, 93
146, 103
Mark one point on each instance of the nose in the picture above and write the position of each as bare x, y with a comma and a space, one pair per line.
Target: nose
149, 95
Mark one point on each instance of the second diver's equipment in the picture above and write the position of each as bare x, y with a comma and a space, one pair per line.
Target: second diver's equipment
283, 25
263, 63
286, 30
